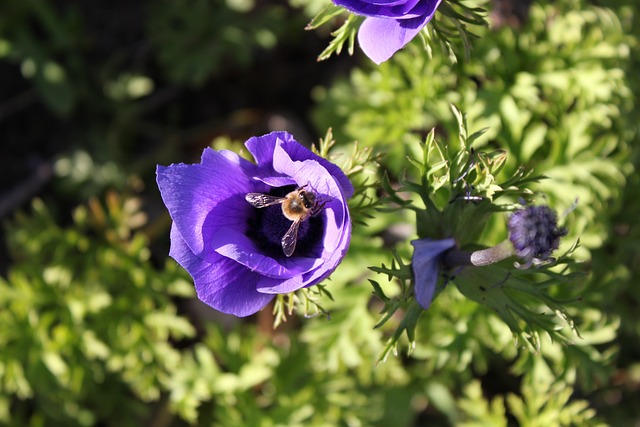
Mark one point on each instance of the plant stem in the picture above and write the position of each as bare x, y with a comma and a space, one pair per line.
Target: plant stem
457, 258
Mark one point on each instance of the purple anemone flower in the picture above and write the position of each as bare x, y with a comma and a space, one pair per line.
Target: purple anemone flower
426, 264
390, 24
233, 250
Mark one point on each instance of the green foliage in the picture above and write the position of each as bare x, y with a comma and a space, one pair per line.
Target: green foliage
534, 408
96, 330
552, 95
523, 303
101, 319
345, 34
447, 28
458, 192
381, 108
543, 402
310, 371
480, 412
195, 39
86, 318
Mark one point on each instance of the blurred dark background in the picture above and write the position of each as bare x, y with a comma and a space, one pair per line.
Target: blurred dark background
127, 85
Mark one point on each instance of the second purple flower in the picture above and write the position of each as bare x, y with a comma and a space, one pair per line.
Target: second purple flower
390, 24
234, 248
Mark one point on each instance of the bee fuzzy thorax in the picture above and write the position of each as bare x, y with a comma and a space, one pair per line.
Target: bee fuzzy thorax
298, 205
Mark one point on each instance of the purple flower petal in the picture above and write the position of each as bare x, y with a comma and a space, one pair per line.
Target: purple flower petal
325, 185
425, 263
380, 38
263, 150
332, 259
237, 246
382, 9
390, 24
202, 197
223, 284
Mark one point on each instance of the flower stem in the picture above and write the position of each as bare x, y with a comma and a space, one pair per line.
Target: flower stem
457, 258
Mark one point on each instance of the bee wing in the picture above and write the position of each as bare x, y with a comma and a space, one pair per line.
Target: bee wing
290, 239
260, 200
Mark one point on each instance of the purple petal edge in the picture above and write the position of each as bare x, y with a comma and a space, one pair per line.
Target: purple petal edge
263, 148
191, 192
380, 38
426, 267
224, 285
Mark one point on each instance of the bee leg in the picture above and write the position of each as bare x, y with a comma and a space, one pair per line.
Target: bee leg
317, 208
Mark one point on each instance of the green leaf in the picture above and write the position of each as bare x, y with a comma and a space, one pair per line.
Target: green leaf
325, 15
521, 303
346, 33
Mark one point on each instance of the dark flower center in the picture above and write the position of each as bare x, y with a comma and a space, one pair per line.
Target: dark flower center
534, 232
268, 226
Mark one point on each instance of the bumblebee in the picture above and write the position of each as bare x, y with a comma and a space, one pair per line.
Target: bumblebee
297, 206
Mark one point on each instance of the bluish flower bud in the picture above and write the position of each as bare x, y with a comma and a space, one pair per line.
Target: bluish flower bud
534, 233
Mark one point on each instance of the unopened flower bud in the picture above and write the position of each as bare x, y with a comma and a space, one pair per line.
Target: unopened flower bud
534, 233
